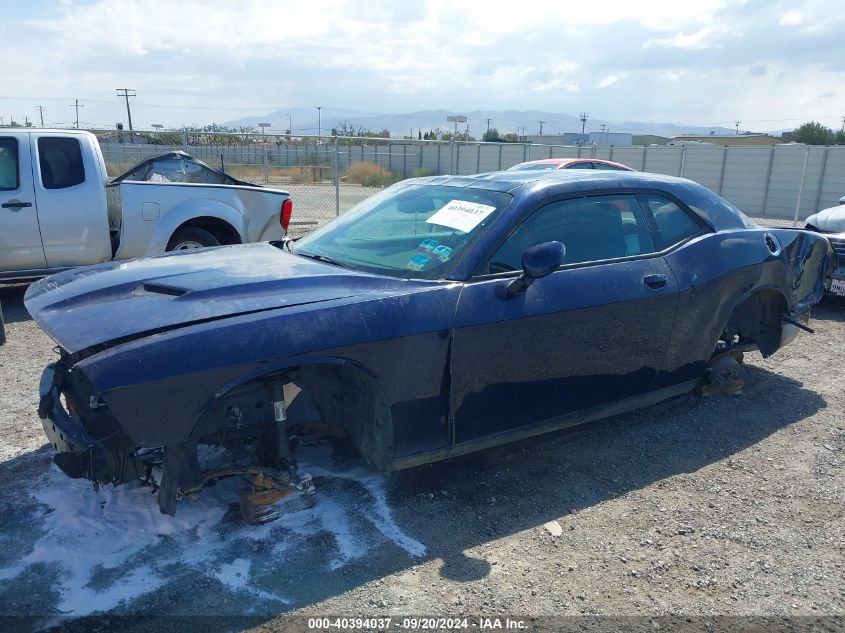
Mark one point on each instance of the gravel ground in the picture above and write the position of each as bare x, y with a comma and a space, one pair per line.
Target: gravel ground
694, 507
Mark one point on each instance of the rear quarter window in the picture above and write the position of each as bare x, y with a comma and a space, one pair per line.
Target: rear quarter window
60, 160
671, 223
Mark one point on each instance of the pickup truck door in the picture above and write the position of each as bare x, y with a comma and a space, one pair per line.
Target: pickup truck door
20, 238
70, 189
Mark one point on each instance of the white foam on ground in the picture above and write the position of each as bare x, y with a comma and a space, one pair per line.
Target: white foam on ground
114, 546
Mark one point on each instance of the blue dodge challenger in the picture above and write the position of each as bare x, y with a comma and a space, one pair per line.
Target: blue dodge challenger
441, 316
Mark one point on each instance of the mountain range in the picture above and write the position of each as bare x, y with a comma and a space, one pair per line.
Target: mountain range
306, 121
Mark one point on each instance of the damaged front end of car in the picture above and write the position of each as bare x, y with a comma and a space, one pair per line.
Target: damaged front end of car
252, 427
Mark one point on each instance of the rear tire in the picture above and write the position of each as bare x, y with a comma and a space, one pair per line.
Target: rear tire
191, 237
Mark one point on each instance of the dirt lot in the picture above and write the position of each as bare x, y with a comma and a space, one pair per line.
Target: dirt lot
694, 507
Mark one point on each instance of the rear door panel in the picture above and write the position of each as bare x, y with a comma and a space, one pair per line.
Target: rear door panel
73, 219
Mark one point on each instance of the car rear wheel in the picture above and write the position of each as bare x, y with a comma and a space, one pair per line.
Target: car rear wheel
191, 237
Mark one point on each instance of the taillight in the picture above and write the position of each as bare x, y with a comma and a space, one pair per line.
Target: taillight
287, 209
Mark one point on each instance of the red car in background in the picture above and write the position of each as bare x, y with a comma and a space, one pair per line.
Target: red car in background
570, 163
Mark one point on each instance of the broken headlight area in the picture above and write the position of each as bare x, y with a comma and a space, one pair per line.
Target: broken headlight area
88, 441
246, 436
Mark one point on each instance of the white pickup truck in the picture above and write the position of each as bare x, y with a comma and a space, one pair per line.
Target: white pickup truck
59, 210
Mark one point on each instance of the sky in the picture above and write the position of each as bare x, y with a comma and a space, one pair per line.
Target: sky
770, 64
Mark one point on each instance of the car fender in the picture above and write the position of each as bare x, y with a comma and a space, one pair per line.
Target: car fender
190, 210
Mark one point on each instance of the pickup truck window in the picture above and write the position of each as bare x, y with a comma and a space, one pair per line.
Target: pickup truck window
8, 164
61, 162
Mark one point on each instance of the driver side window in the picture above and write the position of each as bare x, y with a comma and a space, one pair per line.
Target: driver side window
592, 229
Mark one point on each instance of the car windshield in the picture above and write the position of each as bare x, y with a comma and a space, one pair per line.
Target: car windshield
410, 230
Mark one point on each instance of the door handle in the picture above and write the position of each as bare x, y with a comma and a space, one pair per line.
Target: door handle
16, 205
655, 281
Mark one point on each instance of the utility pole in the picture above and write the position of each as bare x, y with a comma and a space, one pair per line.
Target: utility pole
77, 106
488, 123
541, 127
319, 121
737, 126
843, 124
41, 112
126, 93
584, 116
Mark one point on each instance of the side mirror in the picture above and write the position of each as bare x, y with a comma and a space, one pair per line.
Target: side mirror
537, 262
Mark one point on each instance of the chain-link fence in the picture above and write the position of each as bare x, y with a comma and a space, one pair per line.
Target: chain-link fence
328, 175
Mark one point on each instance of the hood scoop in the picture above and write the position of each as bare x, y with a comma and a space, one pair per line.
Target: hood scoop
162, 289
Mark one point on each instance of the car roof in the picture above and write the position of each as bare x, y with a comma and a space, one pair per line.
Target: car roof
554, 161
566, 161
573, 180
546, 183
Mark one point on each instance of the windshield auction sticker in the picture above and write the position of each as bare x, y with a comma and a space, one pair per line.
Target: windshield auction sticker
464, 216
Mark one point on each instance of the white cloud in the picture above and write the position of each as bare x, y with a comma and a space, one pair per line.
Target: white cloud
196, 61
791, 18
605, 82
701, 39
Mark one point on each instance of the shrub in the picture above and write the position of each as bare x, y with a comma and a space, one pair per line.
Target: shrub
115, 169
369, 175
255, 173
297, 175
421, 172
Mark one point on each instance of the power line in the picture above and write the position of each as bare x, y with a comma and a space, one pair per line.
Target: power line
126, 93
583, 118
41, 113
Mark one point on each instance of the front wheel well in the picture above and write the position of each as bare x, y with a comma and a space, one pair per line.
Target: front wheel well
224, 232
757, 319
320, 399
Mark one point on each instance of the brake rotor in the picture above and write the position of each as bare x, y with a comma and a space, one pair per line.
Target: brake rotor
723, 376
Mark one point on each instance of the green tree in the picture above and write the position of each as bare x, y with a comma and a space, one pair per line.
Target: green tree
840, 137
813, 133
491, 136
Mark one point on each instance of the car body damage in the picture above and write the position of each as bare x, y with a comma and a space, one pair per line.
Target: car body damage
177, 166
256, 350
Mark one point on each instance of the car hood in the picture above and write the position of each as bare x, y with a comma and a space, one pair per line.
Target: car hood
119, 301
830, 220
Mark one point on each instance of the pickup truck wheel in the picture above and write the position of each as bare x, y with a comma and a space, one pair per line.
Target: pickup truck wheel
191, 237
